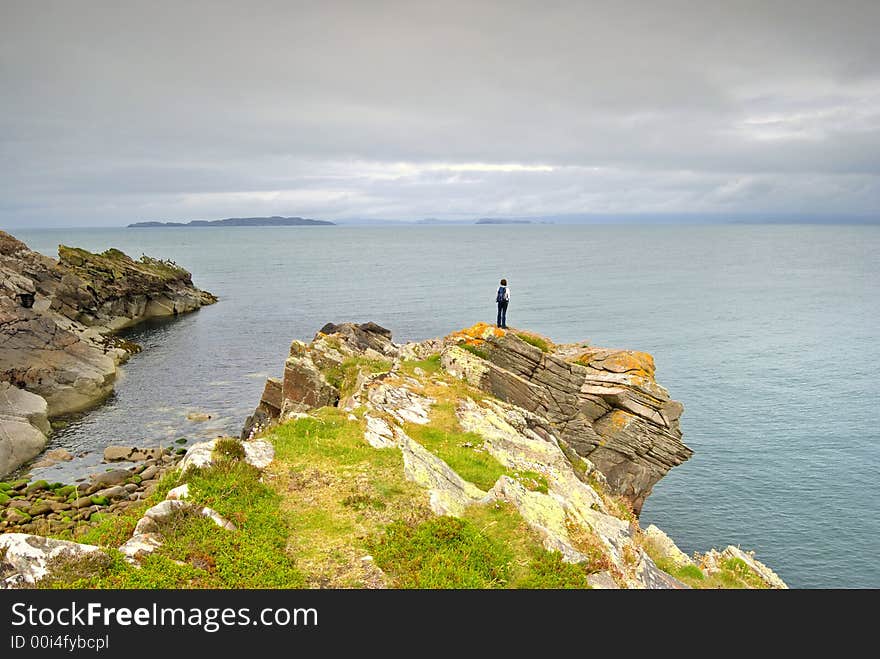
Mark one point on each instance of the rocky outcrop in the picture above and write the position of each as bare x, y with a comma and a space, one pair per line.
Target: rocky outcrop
602, 404
605, 404
305, 384
56, 324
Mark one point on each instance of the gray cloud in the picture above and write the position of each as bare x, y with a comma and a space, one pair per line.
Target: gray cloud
117, 112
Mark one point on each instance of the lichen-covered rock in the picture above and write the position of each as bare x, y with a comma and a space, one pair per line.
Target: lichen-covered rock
713, 561
305, 387
258, 453
663, 544
603, 403
25, 558
56, 318
366, 338
449, 493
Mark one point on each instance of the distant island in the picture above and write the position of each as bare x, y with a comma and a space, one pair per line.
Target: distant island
274, 221
501, 220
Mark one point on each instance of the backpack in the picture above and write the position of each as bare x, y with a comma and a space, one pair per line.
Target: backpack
502, 295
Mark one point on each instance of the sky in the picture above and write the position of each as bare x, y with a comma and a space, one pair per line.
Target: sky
118, 112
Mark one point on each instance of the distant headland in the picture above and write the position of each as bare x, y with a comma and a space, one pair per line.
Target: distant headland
274, 221
501, 220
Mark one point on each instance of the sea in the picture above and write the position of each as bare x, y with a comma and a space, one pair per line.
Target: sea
767, 334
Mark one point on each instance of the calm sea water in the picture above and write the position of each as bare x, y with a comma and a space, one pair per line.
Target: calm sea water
767, 334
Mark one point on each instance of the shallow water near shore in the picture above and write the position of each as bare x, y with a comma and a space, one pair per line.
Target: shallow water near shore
767, 334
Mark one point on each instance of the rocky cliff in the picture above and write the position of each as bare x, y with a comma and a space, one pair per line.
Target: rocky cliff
371, 464
603, 404
57, 351
597, 403
572, 437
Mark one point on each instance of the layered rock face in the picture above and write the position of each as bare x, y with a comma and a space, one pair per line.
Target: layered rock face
602, 404
605, 404
56, 324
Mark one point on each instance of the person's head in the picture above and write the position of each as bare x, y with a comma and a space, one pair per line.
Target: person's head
504, 282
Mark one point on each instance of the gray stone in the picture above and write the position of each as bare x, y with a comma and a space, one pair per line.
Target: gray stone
305, 387
110, 478
663, 544
131, 453
140, 546
115, 492
149, 473
23, 425
40, 508
602, 581
25, 557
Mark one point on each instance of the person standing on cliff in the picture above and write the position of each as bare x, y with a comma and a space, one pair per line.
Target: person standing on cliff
502, 298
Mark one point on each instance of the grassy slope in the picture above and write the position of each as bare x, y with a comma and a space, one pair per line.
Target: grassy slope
330, 508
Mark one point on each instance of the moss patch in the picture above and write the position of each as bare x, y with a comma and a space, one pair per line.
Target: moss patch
490, 547
475, 350
430, 365
541, 343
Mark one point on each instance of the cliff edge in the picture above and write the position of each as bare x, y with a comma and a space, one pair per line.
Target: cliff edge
376, 465
57, 350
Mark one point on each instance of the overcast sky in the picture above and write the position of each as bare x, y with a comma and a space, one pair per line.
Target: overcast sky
116, 112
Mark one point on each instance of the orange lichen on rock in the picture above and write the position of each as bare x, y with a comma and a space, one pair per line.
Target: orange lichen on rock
625, 361
631, 362
613, 422
476, 335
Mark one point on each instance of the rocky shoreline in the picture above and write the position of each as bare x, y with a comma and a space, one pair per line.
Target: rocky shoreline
44, 508
58, 352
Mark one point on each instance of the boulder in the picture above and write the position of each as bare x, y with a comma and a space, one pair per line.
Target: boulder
53, 457
25, 559
258, 453
110, 478
131, 454
24, 426
361, 338
666, 547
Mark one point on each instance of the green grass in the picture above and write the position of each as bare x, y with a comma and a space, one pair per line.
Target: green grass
443, 552
228, 448
490, 547
464, 452
475, 350
197, 553
549, 571
460, 450
734, 572
337, 491
536, 341
344, 377
430, 365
